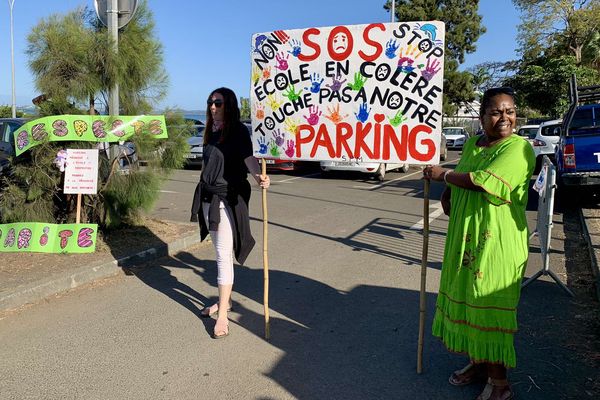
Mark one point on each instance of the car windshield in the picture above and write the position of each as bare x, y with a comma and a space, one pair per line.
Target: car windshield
550, 130
453, 131
198, 131
527, 132
585, 121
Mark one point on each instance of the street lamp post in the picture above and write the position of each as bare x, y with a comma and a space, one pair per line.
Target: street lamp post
393, 10
11, 4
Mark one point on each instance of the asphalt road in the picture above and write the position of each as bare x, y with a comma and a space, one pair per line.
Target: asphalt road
344, 257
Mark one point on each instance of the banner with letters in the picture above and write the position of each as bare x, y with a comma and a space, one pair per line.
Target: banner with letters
349, 93
90, 128
43, 237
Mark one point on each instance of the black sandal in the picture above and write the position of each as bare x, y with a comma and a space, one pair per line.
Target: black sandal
496, 383
207, 312
469, 374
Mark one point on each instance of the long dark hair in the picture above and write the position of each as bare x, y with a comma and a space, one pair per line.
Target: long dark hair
231, 113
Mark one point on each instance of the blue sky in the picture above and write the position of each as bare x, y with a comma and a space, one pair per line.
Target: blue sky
207, 43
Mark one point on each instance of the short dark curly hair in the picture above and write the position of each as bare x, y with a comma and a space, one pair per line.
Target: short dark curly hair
493, 92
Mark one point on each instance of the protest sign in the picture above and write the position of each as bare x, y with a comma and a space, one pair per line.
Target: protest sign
349, 93
89, 128
42, 237
81, 171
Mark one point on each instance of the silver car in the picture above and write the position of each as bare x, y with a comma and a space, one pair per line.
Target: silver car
194, 157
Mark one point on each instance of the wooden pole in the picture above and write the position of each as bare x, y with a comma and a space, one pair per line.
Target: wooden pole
265, 254
423, 294
78, 216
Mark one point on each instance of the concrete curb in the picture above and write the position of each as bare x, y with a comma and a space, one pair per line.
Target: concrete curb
592, 251
55, 284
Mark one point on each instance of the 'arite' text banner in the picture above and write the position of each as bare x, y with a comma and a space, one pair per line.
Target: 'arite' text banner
349, 93
96, 128
48, 238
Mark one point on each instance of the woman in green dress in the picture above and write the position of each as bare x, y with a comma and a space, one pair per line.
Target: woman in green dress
486, 246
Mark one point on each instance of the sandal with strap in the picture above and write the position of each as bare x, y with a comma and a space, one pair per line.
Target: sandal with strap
469, 374
498, 387
208, 312
221, 329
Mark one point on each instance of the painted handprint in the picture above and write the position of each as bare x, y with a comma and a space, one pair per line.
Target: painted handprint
266, 73
274, 102
315, 83
359, 81
407, 58
262, 145
278, 137
313, 115
334, 114
431, 69
296, 48
390, 49
255, 75
282, 62
363, 113
259, 111
291, 94
274, 149
397, 119
290, 149
336, 83
291, 125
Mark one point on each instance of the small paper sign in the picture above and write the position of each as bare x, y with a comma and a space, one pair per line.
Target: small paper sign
81, 171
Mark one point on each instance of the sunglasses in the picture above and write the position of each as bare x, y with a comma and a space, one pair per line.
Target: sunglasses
218, 103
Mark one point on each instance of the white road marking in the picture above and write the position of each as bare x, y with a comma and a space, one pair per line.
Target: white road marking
168, 191
296, 177
437, 211
380, 185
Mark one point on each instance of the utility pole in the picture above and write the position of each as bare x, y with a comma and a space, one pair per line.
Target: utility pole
11, 4
113, 30
112, 12
393, 10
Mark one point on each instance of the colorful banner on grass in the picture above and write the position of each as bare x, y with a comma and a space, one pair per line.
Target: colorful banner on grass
349, 93
48, 238
90, 128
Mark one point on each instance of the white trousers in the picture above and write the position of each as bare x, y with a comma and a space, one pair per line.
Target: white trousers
222, 239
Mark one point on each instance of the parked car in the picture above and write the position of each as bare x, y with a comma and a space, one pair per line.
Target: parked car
8, 126
578, 150
545, 141
376, 169
528, 132
194, 157
456, 136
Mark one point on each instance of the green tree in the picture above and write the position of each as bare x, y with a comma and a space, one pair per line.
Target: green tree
567, 24
463, 28
6, 112
543, 84
74, 64
244, 108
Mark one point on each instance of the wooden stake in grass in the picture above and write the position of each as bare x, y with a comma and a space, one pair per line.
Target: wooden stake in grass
265, 254
423, 294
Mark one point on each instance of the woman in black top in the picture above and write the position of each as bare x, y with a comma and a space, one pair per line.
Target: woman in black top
223, 193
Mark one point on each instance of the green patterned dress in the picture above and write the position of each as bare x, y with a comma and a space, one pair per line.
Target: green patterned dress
486, 252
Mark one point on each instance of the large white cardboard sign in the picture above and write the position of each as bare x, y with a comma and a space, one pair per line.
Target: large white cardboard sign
349, 93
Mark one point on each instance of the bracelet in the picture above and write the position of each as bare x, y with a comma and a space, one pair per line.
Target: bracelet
446, 175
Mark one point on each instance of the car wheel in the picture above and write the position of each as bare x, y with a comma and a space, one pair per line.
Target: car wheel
380, 174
